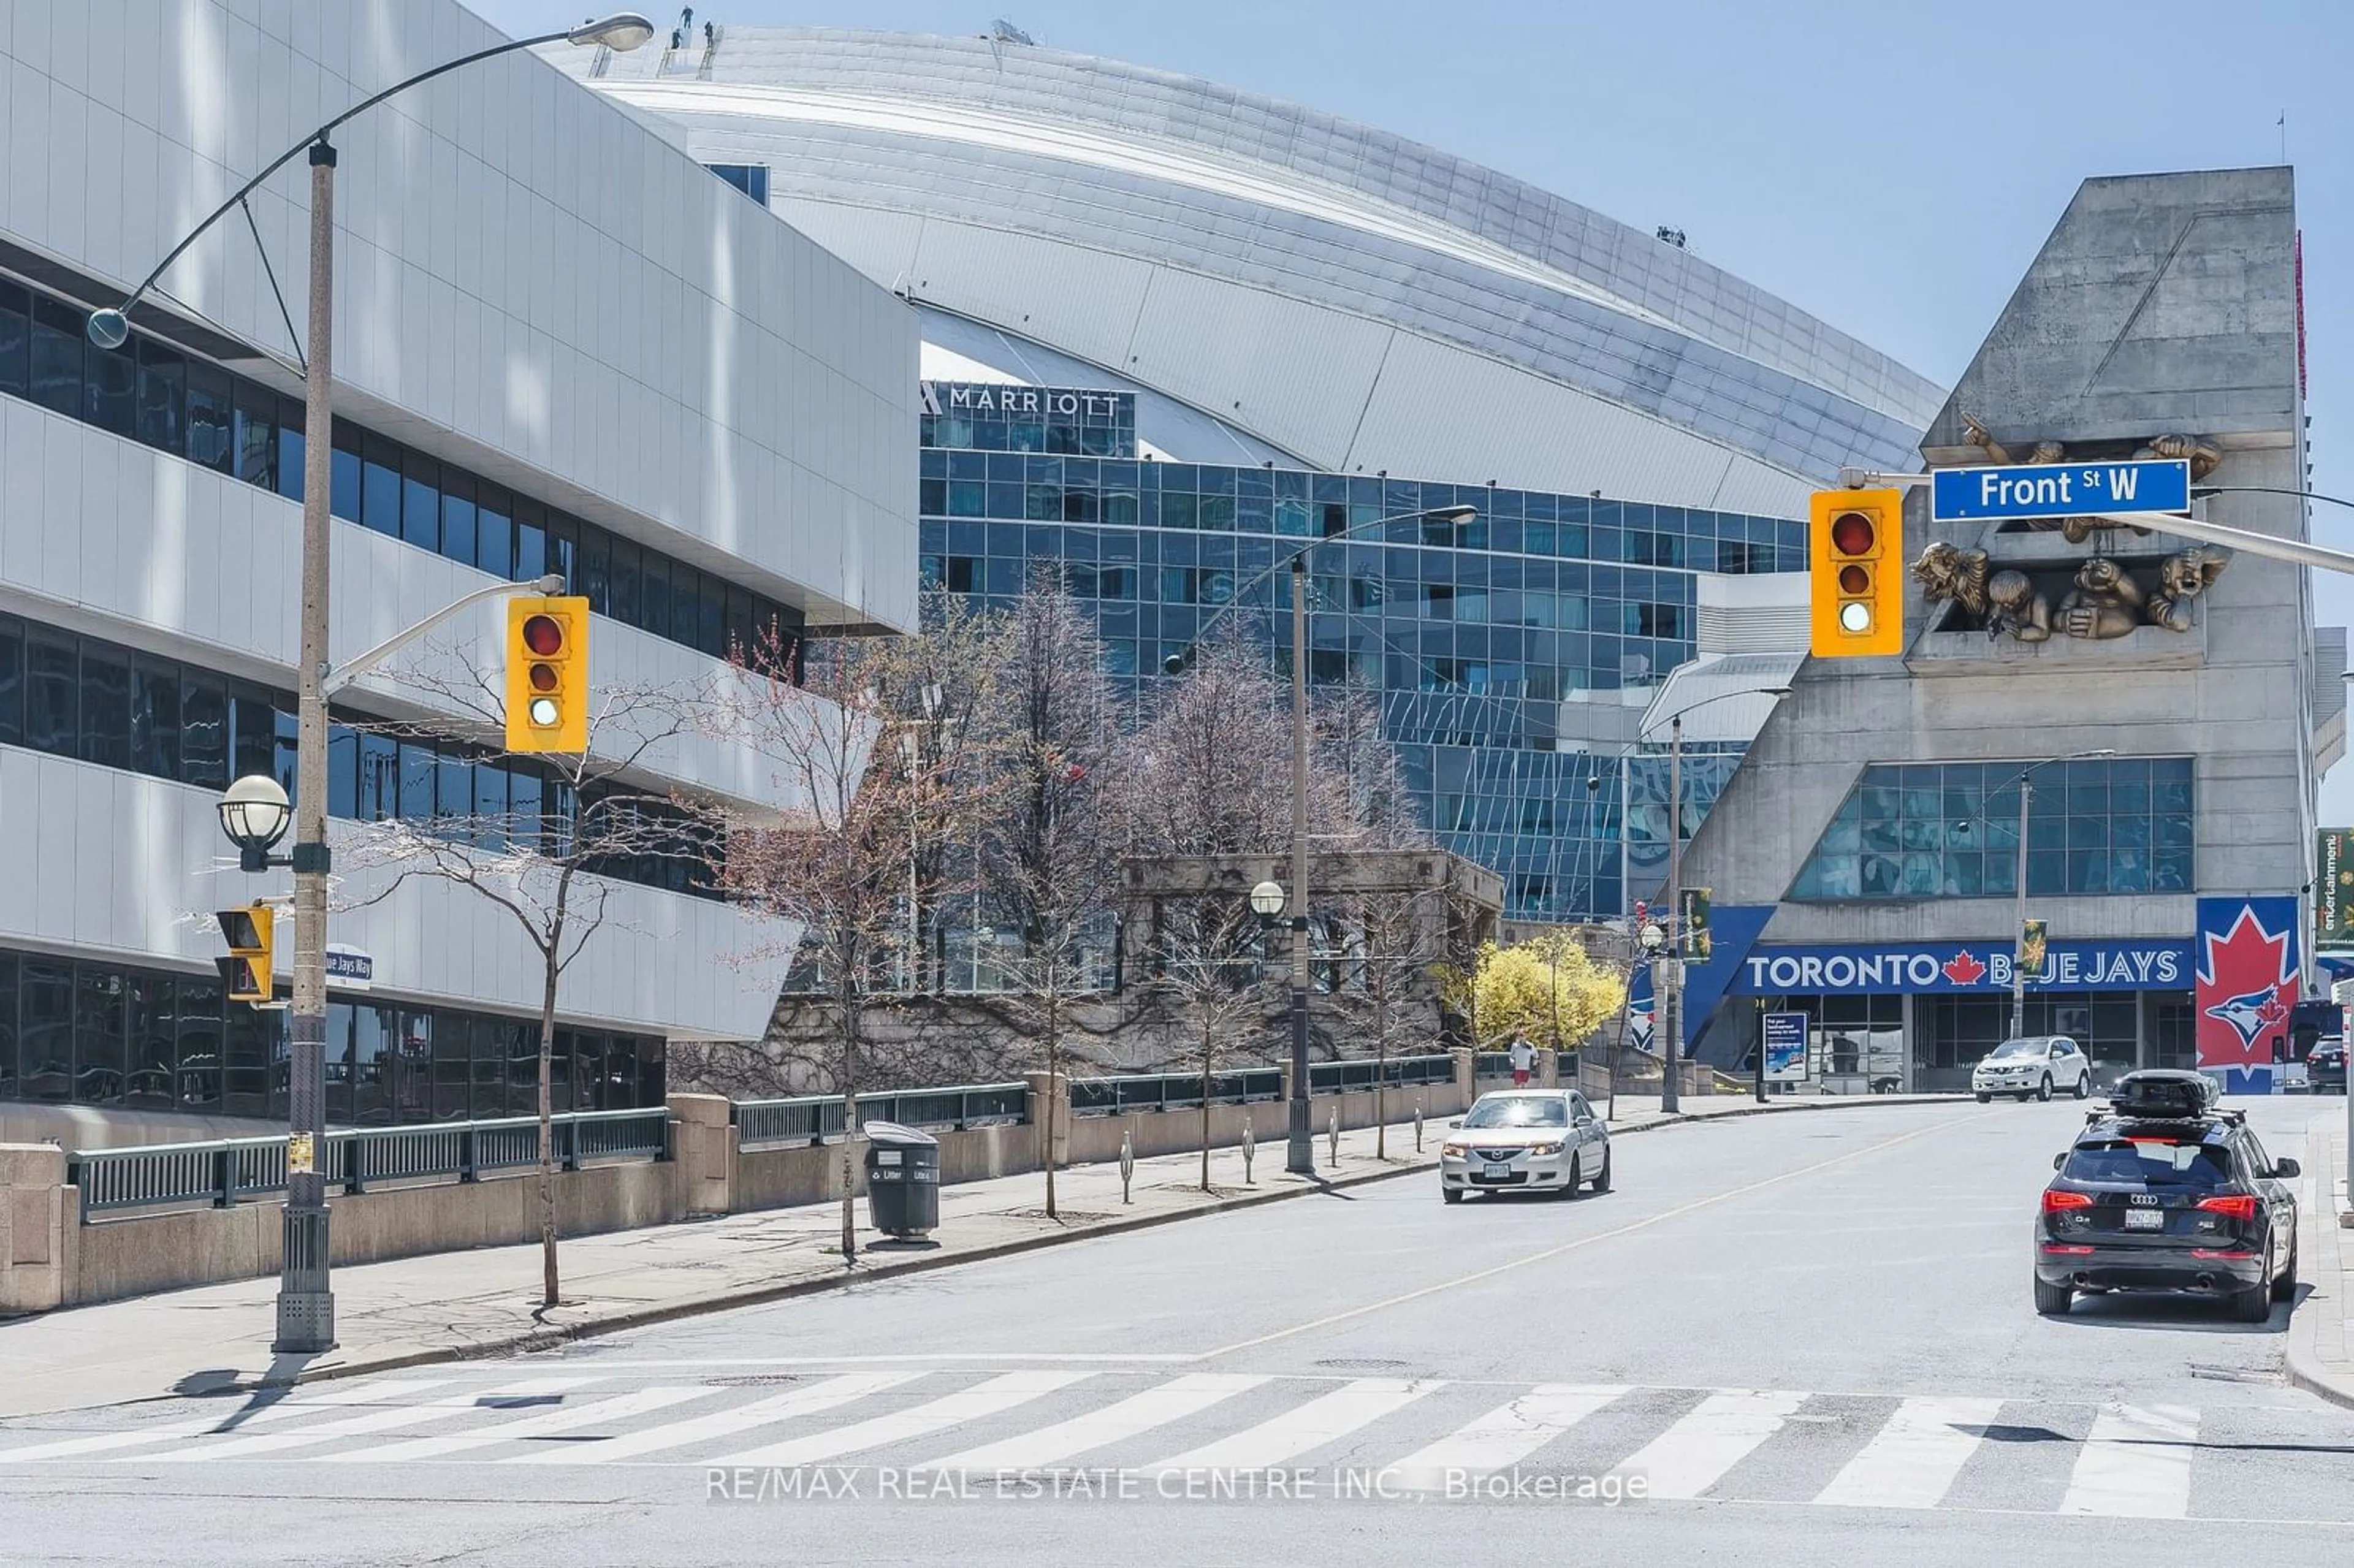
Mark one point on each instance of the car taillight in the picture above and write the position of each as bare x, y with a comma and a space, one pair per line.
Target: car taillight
2239, 1206
2055, 1202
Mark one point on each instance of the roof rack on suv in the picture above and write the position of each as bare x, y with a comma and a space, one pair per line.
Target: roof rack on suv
2229, 1115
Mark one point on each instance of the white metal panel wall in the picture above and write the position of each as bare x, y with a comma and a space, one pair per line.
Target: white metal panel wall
518, 262
130, 868
134, 545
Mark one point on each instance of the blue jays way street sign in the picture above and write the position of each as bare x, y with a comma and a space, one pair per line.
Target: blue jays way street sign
2058, 490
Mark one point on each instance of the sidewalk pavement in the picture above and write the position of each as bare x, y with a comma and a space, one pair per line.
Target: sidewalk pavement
453, 1305
2320, 1358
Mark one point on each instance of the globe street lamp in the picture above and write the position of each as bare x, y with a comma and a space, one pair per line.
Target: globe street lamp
255, 815
306, 1306
1267, 901
1299, 1153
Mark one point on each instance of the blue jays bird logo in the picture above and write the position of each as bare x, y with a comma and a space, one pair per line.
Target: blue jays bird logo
2251, 1013
2247, 980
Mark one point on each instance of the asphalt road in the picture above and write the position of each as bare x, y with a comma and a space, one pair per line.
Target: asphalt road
1799, 1335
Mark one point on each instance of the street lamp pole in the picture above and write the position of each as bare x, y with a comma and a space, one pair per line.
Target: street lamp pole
306, 1303
2019, 892
1299, 1151
1670, 987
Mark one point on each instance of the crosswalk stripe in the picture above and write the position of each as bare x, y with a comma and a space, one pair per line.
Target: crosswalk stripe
1002, 1393
365, 1425
811, 1401
1139, 1414
244, 1416
1913, 1460
2137, 1460
1310, 1426
618, 1407
1505, 1436
1693, 1455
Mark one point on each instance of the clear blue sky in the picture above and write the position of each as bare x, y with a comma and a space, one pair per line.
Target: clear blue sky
1890, 166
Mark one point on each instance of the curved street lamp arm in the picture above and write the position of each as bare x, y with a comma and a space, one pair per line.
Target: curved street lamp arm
287, 157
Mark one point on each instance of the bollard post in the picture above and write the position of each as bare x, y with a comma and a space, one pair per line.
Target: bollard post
1418, 1127
1126, 1164
1249, 1145
1334, 1139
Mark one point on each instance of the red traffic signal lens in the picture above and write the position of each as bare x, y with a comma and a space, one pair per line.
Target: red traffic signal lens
1853, 578
544, 677
543, 635
1853, 534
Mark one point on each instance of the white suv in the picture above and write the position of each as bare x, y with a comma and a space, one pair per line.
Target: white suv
2033, 1066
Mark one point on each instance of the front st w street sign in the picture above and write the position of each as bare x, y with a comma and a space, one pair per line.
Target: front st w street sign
2040, 491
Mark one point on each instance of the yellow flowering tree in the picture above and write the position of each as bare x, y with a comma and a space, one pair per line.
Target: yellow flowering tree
1546, 987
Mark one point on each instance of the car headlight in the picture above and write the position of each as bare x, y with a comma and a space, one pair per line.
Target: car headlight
1552, 1148
1457, 1150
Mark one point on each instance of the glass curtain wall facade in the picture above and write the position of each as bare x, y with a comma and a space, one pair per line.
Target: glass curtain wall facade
1474, 634
112, 1035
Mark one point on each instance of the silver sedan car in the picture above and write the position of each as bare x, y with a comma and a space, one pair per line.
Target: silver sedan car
1525, 1140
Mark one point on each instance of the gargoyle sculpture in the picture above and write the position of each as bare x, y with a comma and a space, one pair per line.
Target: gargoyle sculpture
2205, 456
2183, 578
1947, 572
2106, 603
2013, 605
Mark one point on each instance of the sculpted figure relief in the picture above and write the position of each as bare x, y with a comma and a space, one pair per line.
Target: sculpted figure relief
2183, 578
1946, 572
2104, 603
2203, 455
2014, 606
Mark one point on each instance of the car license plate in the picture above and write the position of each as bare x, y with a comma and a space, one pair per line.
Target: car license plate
1495, 1173
2145, 1220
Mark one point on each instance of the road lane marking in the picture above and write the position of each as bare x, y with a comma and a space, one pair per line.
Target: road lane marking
1002, 1393
1563, 1250
1505, 1436
374, 1421
1324, 1419
1141, 1413
812, 1401
1041, 1358
2137, 1460
243, 1417
1695, 1453
1912, 1461
619, 1407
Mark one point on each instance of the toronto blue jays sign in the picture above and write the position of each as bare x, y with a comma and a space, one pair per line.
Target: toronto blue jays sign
1895, 968
2248, 971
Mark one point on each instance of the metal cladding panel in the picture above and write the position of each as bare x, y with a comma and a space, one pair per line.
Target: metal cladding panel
880, 244
1082, 302
1317, 150
1438, 412
1735, 710
1294, 373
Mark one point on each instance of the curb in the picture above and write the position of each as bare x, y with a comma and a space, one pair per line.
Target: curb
2305, 1367
755, 1296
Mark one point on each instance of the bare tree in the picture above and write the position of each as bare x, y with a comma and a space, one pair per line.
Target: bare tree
1210, 949
834, 866
543, 862
1051, 843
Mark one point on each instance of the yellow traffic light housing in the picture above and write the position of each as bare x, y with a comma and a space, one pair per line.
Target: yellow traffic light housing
1856, 557
251, 935
547, 673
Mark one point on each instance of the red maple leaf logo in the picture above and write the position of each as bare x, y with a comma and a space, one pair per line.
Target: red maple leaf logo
2246, 984
2274, 1013
1963, 968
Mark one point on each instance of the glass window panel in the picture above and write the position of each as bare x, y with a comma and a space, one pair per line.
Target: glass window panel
211, 419
46, 1030
255, 435
458, 540
448, 1044
376, 1065
622, 582
596, 570
495, 537
378, 769
57, 357
155, 719
163, 389
417, 765
420, 502
253, 730
336, 1059
12, 682
346, 480
16, 367
204, 731
52, 694
109, 387
380, 488
105, 705
290, 452
197, 1075
100, 1058
655, 598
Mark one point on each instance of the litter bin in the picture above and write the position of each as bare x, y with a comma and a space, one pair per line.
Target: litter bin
903, 1180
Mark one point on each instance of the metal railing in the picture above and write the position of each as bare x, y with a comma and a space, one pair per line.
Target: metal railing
1492, 1065
1397, 1072
225, 1171
1131, 1092
817, 1118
